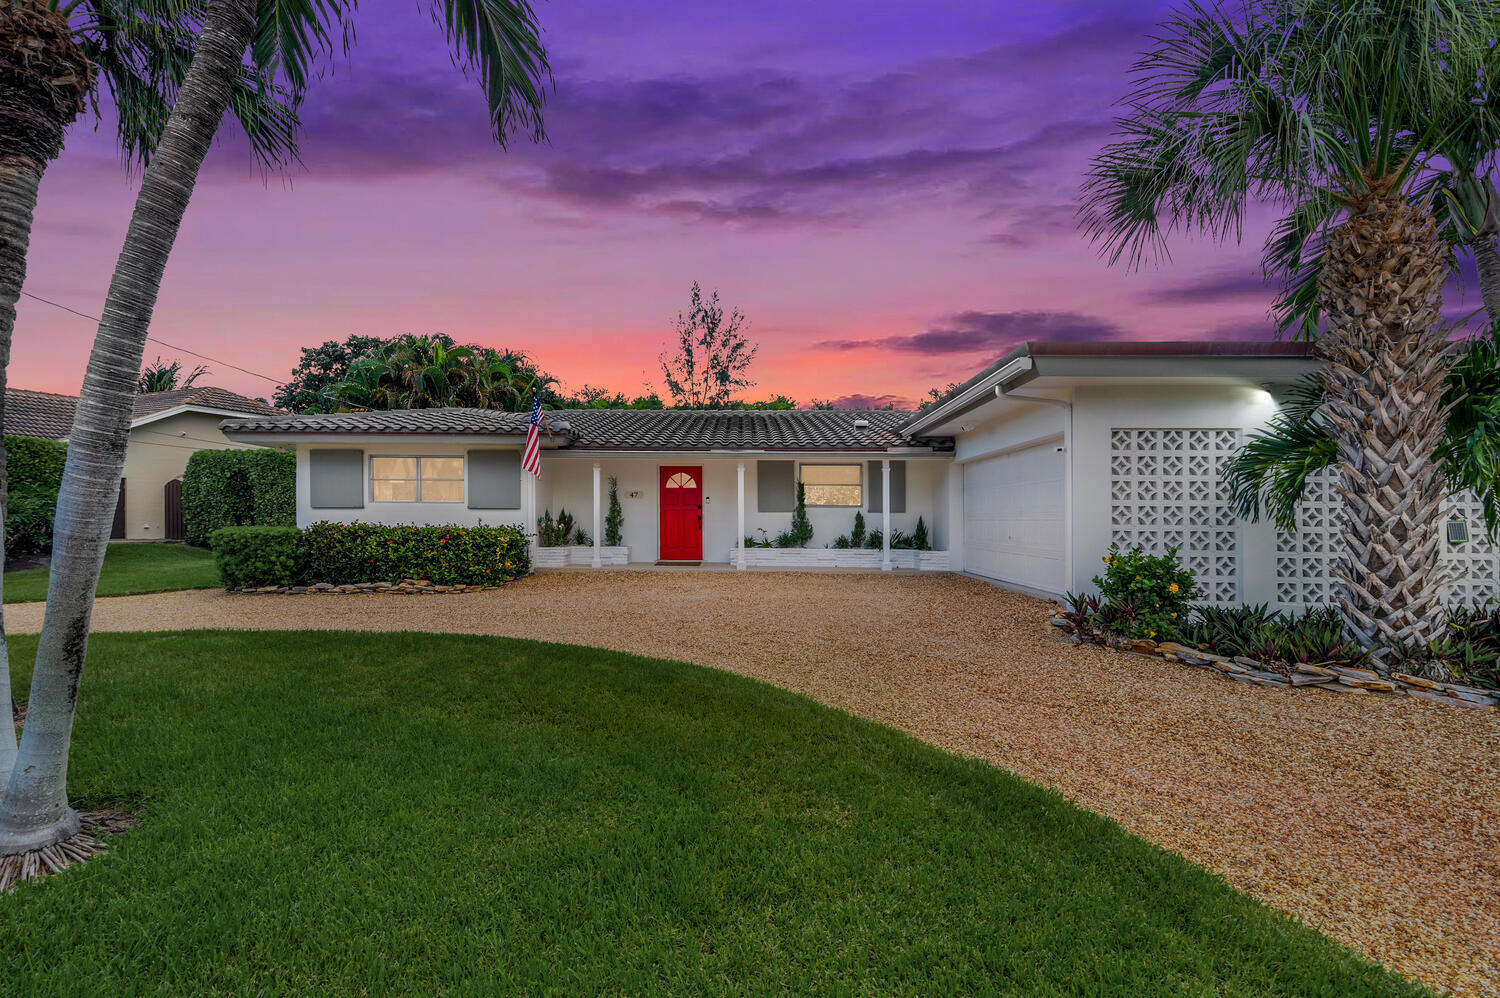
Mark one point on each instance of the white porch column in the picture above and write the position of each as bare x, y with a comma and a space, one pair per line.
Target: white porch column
739, 544
885, 514
598, 540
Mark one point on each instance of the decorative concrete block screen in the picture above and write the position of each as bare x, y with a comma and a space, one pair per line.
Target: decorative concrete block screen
1167, 488
1307, 560
1475, 565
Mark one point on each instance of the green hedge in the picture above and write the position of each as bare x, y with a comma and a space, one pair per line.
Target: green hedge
256, 556
237, 488
34, 467
342, 553
447, 556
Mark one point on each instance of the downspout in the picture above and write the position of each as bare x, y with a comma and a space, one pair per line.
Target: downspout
1067, 407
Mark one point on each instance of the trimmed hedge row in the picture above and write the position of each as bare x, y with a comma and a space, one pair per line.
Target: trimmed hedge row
346, 553
34, 468
235, 488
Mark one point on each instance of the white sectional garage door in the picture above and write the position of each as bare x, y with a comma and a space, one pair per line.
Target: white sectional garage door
1013, 517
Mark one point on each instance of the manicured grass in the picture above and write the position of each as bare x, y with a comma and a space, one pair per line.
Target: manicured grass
129, 568
401, 813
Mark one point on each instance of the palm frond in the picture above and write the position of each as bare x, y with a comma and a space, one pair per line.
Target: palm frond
1269, 472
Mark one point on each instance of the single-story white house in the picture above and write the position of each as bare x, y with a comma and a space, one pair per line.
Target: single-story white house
165, 429
1024, 475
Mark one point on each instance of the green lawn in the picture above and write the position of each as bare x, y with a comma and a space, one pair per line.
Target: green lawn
129, 568
381, 813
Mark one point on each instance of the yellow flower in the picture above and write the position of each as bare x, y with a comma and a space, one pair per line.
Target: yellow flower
1172, 589
1106, 559
1174, 614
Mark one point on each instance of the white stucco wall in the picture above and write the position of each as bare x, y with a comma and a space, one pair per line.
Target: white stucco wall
158, 452
394, 513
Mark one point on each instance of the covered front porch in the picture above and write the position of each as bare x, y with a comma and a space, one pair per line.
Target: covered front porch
715, 508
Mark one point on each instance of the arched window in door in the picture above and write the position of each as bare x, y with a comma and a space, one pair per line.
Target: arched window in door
681, 480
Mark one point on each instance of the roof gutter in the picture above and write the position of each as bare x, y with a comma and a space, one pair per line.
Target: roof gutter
970, 396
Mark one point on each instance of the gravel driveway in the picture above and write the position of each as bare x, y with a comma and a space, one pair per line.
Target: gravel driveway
1375, 819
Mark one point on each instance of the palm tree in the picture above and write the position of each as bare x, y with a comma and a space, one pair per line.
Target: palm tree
53, 62
497, 40
1269, 474
161, 377
1333, 110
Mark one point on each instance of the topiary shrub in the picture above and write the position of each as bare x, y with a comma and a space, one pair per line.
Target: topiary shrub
235, 488
257, 556
34, 468
801, 530
342, 553
614, 520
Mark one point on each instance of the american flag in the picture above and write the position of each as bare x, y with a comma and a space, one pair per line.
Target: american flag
531, 457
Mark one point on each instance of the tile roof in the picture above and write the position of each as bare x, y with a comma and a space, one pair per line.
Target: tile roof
207, 396
628, 429
46, 414
38, 414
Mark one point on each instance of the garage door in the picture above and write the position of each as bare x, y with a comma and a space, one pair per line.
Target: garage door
1013, 517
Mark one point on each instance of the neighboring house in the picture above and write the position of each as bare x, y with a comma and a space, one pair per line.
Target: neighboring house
166, 428
1024, 475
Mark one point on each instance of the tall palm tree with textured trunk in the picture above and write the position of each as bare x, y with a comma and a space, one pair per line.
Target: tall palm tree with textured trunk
1334, 110
53, 63
496, 40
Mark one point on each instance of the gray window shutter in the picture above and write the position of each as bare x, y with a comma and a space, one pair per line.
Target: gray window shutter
494, 479
776, 486
898, 486
337, 478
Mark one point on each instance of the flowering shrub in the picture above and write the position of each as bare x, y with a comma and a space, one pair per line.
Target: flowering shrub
362, 552
1143, 595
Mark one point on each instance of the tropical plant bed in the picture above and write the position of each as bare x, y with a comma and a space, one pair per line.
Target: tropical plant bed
1302, 675
759, 557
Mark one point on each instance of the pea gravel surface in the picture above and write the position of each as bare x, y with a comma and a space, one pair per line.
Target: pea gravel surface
1374, 819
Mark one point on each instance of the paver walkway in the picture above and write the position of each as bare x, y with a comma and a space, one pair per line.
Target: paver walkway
1376, 819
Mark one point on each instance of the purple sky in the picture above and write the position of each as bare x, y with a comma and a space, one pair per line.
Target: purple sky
886, 190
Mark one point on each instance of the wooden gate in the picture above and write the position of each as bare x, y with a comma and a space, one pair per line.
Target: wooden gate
176, 527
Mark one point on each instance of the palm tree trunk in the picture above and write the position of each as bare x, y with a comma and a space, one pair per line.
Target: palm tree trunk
18, 190
34, 810
1386, 362
1486, 253
45, 79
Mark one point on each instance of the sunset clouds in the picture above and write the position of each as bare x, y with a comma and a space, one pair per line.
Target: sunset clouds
887, 191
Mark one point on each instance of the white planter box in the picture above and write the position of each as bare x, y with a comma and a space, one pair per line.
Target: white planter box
927, 561
576, 554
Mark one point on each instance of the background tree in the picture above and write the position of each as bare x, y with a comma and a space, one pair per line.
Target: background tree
161, 377
495, 39
319, 368
1332, 110
711, 355
415, 371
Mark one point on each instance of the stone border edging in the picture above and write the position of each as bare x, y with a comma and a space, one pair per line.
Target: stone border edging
406, 587
1334, 678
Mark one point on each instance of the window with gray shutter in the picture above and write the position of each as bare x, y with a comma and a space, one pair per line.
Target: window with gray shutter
898, 486
494, 479
337, 478
776, 486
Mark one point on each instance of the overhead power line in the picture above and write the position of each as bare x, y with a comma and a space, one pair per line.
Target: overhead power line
158, 342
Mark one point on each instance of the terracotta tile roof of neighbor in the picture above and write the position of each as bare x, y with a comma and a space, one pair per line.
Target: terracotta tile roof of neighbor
47, 414
630, 429
38, 414
206, 397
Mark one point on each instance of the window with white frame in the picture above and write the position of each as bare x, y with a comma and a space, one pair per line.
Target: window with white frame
417, 479
832, 484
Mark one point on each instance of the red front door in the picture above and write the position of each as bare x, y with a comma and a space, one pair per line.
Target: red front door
681, 514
